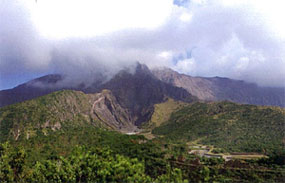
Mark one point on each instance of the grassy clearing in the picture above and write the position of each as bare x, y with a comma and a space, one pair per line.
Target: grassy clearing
163, 111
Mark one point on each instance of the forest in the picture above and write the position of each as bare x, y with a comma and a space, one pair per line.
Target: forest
96, 155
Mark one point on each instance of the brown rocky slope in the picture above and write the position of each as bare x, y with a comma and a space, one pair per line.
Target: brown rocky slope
218, 89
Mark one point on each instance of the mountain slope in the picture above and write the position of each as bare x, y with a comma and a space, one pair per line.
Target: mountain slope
218, 89
32, 89
61, 110
234, 127
105, 108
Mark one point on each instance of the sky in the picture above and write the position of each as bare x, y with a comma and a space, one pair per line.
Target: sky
238, 39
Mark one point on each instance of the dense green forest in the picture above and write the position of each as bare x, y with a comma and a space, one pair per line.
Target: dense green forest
96, 155
233, 127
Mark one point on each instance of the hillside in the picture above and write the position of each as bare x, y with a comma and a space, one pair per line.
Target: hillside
233, 127
219, 89
61, 110
162, 112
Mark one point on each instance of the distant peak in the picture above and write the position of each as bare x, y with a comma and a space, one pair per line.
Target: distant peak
47, 81
142, 69
51, 78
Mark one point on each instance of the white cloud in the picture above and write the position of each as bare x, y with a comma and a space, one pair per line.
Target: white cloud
76, 18
203, 38
186, 66
186, 17
165, 55
271, 12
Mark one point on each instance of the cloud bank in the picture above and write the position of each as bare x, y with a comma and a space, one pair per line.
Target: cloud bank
198, 37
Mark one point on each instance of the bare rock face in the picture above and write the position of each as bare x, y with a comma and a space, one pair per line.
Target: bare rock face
199, 87
217, 89
105, 108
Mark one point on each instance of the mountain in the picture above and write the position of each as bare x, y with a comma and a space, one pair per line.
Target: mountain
121, 104
218, 89
135, 91
32, 89
139, 91
232, 127
141, 88
42, 86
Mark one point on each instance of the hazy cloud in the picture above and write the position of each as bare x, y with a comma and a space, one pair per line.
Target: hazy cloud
22, 51
200, 38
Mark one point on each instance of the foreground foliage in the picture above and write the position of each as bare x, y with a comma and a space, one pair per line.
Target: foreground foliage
113, 157
82, 165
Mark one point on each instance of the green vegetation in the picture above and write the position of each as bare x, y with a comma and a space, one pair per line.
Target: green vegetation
53, 139
48, 113
81, 165
85, 154
230, 126
96, 155
163, 111
161, 114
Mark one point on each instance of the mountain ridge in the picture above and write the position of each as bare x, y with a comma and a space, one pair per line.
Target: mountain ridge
205, 89
219, 89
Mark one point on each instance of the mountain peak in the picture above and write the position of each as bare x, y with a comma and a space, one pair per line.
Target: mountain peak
46, 81
140, 66
142, 69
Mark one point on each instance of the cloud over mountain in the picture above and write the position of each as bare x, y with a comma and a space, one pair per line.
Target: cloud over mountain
205, 38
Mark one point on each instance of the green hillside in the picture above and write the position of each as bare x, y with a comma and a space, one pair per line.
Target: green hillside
233, 127
62, 110
44, 114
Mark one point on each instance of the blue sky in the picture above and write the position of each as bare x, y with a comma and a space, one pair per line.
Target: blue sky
239, 39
